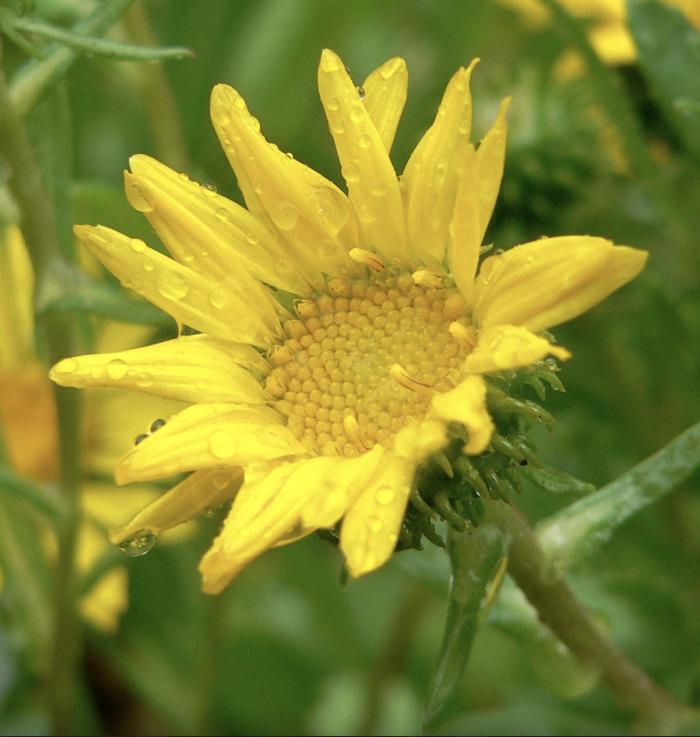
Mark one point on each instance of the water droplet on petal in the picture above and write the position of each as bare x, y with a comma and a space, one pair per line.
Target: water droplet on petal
140, 544
221, 481
138, 246
361, 92
140, 197
329, 63
375, 524
332, 103
173, 285
351, 173
384, 495
357, 113
221, 214
219, 297
220, 114
144, 379
222, 444
333, 208
117, 369
284, 215
363, 142
208, 189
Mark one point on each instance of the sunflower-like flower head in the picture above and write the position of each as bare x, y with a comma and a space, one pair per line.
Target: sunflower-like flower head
342, 339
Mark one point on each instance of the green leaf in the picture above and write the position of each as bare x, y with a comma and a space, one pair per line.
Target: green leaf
41, 498
105, 300
99, 46
669, 56
608, 93
25, 588
554, 663
476, 557
578, 530
37, 77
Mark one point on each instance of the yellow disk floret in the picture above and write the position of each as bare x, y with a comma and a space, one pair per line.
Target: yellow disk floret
357, 367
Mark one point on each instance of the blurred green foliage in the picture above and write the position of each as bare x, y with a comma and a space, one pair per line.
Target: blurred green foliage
289, 649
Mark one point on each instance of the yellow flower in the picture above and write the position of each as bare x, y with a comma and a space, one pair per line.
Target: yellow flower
608, 32
28, 427
330, 410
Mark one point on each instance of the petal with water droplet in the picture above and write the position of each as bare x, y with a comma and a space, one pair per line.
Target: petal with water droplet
383, 224
184, 216
385, 96
207, 435
200, 491
193, 368
429, 181
279, 190
174, 288
371, 525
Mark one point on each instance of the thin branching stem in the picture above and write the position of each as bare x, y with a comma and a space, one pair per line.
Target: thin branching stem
656, 710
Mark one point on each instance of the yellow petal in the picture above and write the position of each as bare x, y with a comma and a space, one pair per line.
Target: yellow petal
189, 297
343, 481
170, 200
465, 232
549, 281
430, 178
385, 96
16, 296
417, 442
371, 525
308, 211
466, 403
193, 368
199, 492
370, 176
195, 244
207, 435
506, 347
490, 159
267, 510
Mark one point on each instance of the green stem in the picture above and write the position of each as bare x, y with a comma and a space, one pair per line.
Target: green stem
157, 94
393, 657
34, 79
38, 227
656, 710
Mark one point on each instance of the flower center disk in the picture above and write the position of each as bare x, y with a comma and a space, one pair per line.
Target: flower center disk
337, 379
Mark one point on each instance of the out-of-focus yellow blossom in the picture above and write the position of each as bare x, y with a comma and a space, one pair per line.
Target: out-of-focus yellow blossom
608, 32
330, 407
28, 426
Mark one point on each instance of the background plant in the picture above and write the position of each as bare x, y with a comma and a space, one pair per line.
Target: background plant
599, 150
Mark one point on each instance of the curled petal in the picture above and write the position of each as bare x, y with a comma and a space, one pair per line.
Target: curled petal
200, 491
544, 283
466, 403
506, 347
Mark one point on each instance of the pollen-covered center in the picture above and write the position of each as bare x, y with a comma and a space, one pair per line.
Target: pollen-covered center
365, 359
